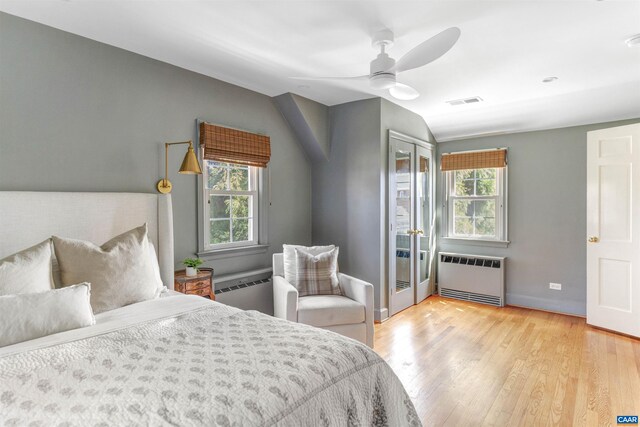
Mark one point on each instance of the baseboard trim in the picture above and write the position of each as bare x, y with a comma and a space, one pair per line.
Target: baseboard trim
380, 315
572, 308
582, 316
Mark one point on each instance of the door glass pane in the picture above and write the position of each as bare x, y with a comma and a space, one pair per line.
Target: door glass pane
404, 162
423, 225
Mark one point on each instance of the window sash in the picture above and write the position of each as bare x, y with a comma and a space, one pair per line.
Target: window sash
496, 216
254, 202
475, 179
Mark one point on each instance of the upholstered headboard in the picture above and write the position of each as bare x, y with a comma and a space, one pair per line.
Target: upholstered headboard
27, 218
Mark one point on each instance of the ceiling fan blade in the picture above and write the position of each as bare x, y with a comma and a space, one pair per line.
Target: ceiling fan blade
332, 78
403, 92
429, 50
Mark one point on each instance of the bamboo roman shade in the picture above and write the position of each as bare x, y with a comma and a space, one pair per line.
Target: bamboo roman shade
474, 160
234, 146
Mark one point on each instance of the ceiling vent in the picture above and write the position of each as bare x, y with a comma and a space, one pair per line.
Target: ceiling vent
472, 100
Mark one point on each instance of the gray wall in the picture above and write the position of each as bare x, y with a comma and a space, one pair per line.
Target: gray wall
547, 215
78, 115
346, 190
316, 116
349, 191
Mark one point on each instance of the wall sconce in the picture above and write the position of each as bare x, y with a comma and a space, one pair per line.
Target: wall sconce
190, 165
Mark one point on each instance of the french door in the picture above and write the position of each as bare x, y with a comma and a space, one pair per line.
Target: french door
613, 229
411, 221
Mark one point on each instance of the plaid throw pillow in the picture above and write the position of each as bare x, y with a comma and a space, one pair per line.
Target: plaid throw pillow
289, 259
317, 274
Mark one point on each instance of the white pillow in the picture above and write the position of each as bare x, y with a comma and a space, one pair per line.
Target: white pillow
120, 271
289, 258
28, 316
27, 271
153, 259
57, 277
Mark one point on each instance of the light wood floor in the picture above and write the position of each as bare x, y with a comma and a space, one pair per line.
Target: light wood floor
467, 364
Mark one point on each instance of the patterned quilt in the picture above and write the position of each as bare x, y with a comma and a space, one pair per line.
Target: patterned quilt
214, 366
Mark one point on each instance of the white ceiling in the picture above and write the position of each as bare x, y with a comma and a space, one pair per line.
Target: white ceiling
505, 50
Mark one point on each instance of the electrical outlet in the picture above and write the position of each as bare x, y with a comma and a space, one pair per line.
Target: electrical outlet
555, 286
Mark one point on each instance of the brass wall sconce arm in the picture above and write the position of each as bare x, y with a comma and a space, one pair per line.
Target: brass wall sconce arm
190, 165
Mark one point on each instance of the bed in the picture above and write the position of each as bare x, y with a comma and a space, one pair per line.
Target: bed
178, 360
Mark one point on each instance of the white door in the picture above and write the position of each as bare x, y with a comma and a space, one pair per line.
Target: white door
424, 230
613, 229
411, 221
402, 225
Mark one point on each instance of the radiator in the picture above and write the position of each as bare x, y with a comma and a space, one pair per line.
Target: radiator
472, 278
248, 290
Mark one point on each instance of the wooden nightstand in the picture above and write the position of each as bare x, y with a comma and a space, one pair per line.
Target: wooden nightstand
200, 284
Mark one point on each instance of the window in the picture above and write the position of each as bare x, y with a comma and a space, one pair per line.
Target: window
475, 205
231, 205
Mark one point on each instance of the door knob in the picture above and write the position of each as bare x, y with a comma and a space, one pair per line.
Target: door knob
419, 231
593, 239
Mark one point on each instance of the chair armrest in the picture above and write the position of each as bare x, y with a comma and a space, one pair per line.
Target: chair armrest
362, 292
285, 299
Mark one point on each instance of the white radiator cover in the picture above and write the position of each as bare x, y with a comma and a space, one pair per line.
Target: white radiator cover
259, 298
472, 278
247, 290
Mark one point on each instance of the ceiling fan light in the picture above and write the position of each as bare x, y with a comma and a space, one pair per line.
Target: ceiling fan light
403, 92
383, 81
380, 77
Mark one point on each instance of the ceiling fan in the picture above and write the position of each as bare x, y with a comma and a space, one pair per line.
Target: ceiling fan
384, 69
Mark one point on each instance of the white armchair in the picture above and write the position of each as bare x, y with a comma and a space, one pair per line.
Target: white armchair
350, 315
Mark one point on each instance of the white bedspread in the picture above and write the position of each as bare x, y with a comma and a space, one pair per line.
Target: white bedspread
186, 361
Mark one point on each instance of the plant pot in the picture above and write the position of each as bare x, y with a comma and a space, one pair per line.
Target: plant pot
192, 271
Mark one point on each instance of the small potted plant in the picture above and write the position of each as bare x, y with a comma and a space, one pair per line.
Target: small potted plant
192, 265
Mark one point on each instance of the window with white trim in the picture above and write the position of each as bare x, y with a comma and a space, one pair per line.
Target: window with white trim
231, 205
475, 204
475, 190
